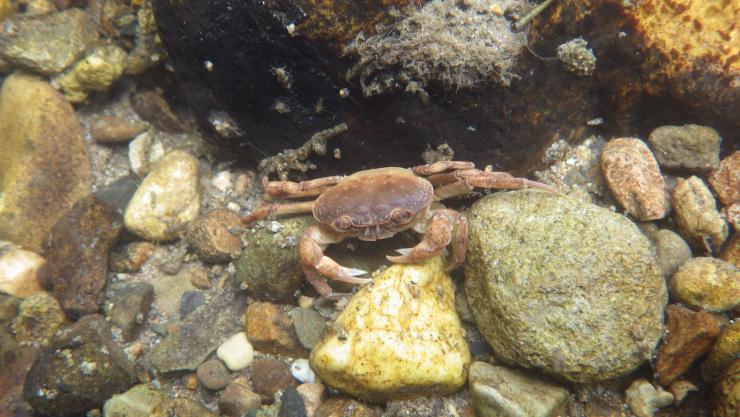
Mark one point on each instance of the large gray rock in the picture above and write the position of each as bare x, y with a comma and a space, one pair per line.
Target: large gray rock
563, 286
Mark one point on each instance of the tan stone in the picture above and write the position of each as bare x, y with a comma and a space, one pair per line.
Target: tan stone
731, 252
696, 214
725, 351
270, 330
725, 181
727, 392
707, 283
21, 272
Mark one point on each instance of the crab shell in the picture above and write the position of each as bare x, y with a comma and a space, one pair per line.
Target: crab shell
375, 204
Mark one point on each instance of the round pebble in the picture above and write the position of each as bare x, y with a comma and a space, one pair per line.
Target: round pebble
216, 236
236, 352
696, 214
213, 375
302, 371
707, 283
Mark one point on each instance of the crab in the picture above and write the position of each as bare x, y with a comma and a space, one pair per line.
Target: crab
378, 203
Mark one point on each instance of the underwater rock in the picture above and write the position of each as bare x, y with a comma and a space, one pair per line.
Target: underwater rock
724, 352
216, 236
138, 401
270, 330
129, 306
96, 72
181, 407
21, 271
671, 251
727, 392
213, 375
39, 317
563, 286
398, 338
269, 376
689, 147
236, 399
696, 214
707, 283
645, 400
347, 407
236, 352
113, 129
725, 180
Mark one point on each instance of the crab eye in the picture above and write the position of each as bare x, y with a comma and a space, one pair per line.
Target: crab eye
343, 223
401, 216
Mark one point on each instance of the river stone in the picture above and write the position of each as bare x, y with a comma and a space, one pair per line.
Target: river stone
690, 147
21, 271
96, 72
398, 338
563, 286
139, 401
727, 392
44, 164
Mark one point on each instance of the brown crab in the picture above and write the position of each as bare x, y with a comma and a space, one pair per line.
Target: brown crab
378, 203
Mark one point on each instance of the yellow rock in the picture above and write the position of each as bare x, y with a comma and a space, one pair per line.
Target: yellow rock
20, 271
725, 351
6, 9
399, 337
96, 72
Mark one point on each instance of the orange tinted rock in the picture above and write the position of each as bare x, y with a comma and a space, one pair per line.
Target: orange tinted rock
725, 181
270, 330
731, 252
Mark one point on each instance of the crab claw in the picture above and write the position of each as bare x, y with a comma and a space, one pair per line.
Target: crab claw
404, 251
354, 272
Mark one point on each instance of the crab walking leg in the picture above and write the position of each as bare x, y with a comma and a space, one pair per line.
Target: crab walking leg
314, 263
460, 241
469, 179
290, 189
438, 235
278, 209
441, 166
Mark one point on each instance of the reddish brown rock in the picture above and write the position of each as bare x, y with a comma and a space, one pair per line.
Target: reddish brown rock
634, 178
727, 392
113, 129
731, 252
270, 330
77, 254
11, 382
725, 181
696, 214
270, 376
690, 334
237, 398
153, 108
132, 257
733, 215
216, 236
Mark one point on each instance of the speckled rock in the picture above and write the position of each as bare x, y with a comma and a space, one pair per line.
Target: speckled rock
499, 391
398, 337
181, 407
727, 392
153, 108
77, 254
270, 330
21, 271
115, 129
39, 317
269, 265
96, 72
139, 401
313, 395
347, 407
213, 375
216, 236
44, 165
169, 291
236, 352
236, 399
270, 376
689, 335
198, 335
725, 180
291, 404
731, 252
696, 214
132, 257
634, 178
724, 352
144, 151
707, 283
79, 371
49, 43
690, 147
645, 400
129, 306
167, 200
671, 251
562, 285
12, 375
309, 326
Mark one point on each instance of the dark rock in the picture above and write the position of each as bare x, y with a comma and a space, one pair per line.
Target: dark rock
216, 236
153, 108
118, 193
77, 254
191, 301
309, 326
200, 333
11, 382
270, 376
236, 399
213, 375
81, 369
129, 306
291, 404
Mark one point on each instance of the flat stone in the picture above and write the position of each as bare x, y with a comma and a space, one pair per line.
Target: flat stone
270, 330
114, 129
169, 289
309, 326
634, 178
689, 335
236, 352
129, 306
181, 407
696, 214
216, 236
347, 407
77, 254
563, 286
138, 401
270, 376
213, 375
725, 180
191, 301
671, 251
44, 164
398, 338
49, 43
707, 283
96, 72
727, 392
19, 362
198, 335
21, 271
724, 352
132, 257
645, 400
80, 370
499, 391
237, 399
39, 317
690, 147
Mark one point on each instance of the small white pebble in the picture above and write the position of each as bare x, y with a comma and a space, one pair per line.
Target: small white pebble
236, 208
222, 181
302, 371
274, 226
236, 352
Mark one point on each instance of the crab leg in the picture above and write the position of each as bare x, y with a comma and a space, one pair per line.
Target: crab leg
471, 178
314, 263
437, 236
290, 189
278, 209
441, 166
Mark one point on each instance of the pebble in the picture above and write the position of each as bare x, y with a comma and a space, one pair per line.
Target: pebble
81, 369
671, 251
144, 151
129, 306
132, 257
114, 129
216, 236
77, 254
680, 389
96, 72
138, 401
213, 375
118, 193
44, 163
301, 371
270, 330
645, 400
731, 252
313, 395
47, 44
733, 215
696, 214
237, 399
39, 317
270, 376
690, 147
6, 9
503, 391
236, 352
689, 335
563, 286
153, 108
181, 407
634, 178
309, 326
167, 200
707, 283
191, 301
727, 392
724, 352
14, 366
346, 407
725, 180
291, 404
398, 337
21, 271
199, 334
169, 290
269, 255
